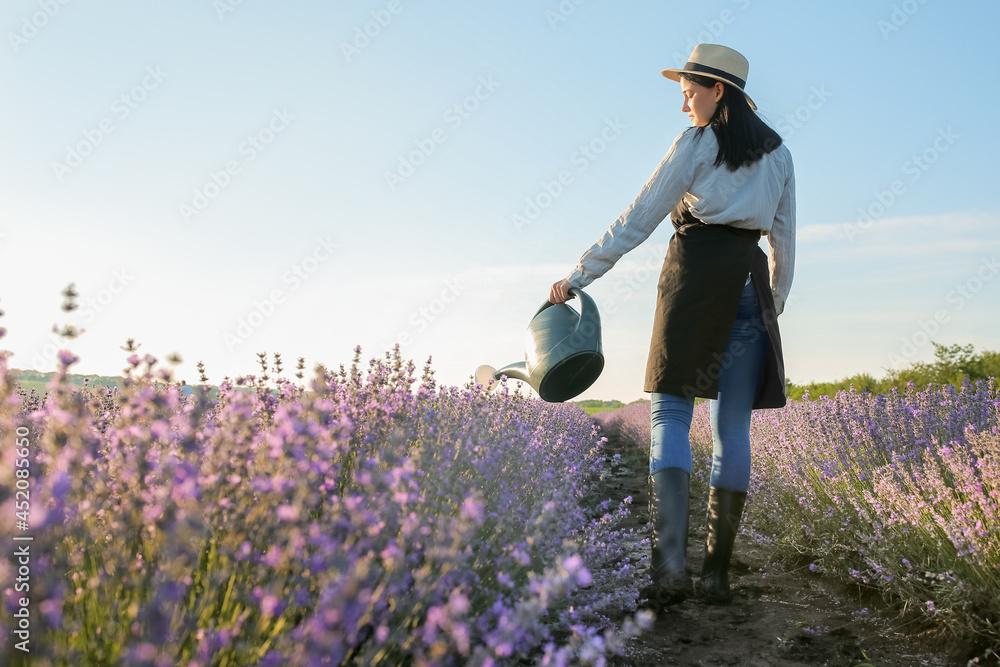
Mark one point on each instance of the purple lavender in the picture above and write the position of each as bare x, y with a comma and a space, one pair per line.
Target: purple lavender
362, 519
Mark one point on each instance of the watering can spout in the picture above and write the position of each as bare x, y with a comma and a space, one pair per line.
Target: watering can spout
563, 354
517, 370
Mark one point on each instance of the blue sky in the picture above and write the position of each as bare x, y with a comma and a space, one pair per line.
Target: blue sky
221, 178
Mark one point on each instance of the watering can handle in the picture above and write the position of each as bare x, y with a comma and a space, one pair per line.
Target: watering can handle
572, 290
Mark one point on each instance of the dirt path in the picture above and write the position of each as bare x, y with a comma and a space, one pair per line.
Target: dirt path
781, 616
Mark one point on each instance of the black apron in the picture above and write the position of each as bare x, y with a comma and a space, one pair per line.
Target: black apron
698, 294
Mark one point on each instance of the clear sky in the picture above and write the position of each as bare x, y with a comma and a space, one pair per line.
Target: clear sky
221, 178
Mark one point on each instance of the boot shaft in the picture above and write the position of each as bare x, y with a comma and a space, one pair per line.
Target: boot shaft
668, 512
725, 511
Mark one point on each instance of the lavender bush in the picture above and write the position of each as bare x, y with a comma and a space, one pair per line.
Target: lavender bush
899, 492
895, 491
357, 521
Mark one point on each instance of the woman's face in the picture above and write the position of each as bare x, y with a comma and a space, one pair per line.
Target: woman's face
700, 101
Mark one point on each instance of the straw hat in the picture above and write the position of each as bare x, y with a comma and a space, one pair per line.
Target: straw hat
716, 62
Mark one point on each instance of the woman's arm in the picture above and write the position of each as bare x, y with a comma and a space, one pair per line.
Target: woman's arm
661, 193
781, 244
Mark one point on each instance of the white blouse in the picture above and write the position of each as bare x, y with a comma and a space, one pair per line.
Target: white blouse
761, 196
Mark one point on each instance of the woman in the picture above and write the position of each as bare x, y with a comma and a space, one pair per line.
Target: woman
715, 332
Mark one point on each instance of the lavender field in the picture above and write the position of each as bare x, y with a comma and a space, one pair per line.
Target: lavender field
898, 493
369, 518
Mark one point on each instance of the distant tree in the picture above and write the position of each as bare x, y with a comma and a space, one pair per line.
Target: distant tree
862, 382
991, 363
951, 365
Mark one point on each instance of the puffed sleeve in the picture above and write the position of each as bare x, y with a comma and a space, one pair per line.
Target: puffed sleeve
781, 243
657, 198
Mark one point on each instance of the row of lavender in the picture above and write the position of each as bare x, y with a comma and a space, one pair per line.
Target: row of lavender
363, 521
899, 492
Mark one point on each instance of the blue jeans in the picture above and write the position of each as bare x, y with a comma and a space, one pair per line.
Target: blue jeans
670, 446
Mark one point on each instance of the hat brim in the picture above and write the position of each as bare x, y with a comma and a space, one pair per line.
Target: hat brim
674, 75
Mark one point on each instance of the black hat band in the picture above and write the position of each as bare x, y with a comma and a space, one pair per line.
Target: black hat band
705, 69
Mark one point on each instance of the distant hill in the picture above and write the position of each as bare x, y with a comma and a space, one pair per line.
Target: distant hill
31, 379
592, 405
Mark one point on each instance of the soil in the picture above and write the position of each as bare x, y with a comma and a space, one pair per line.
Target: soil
782, 615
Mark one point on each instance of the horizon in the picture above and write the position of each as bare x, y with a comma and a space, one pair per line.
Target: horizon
512, 383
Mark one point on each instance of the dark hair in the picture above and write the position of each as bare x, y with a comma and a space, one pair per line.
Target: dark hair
743, 137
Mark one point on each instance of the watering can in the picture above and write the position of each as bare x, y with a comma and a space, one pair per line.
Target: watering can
562, 351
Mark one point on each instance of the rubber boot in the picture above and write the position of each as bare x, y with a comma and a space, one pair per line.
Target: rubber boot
668, 511
725, 510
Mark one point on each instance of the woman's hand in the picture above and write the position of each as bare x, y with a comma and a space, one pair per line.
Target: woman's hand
559, 293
